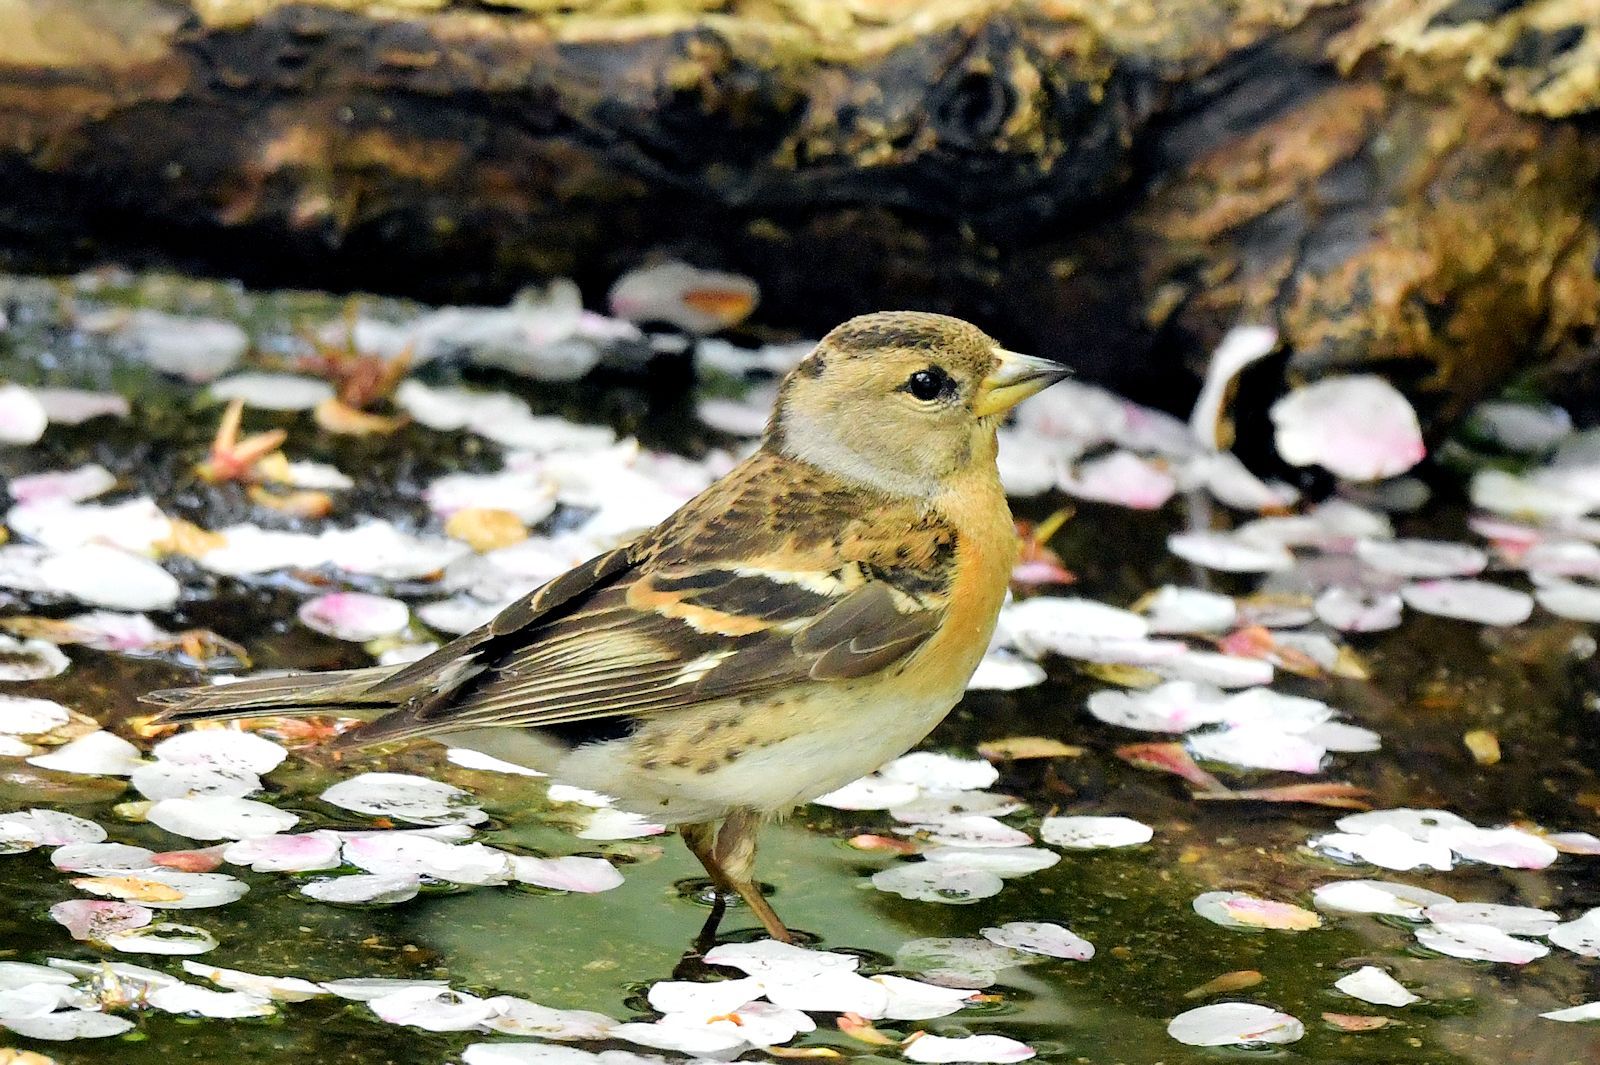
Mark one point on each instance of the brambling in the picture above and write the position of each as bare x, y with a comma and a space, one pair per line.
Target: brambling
807, 618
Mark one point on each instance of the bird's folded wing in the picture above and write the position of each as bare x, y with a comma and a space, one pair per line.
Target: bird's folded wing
658, 636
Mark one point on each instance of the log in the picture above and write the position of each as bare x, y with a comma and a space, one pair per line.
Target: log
1405, 187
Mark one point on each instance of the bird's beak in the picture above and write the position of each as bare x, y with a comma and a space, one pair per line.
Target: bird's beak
1013, 380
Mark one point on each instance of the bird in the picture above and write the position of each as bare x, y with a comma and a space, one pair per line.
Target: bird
810, 616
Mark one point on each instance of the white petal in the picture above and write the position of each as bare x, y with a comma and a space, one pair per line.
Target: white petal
1478, 942
1234, 1023
1037, 937
71, 486
163, 937
97, 754
1259, 747
1377, 897
1570, 600
354, 616
717, 996
25, 829
68, 1024
1581, 935
186, 998
1387, 848
1351, 609
1229, 553
1359, 428
1004, 671
1510, 848
1465, 600
432, 1010
1589, 1011
193, 891
107, 576
869, 793
363, 888
971, 1048
302, 852
24, 716
223, 749
515, 1016
941, 772
571, 873
30, 660
1003, 862
1371, 984
936, 882
1512, 920
1093, 833
220, 817
1122, 478
1177, 610
277, 988
22, 416
273, 391
1422, 559
403, 797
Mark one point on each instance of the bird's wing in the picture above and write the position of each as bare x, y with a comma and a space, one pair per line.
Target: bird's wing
758, 585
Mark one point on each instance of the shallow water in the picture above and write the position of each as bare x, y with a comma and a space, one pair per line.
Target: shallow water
1431, 681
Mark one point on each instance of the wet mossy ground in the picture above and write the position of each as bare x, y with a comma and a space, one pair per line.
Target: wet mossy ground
1431, 681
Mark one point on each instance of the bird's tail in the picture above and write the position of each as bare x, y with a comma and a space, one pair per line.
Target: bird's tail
341, 692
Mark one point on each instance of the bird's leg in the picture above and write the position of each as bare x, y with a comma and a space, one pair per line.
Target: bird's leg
735, 856
701, 839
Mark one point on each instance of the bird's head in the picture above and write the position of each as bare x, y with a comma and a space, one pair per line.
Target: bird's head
902, 401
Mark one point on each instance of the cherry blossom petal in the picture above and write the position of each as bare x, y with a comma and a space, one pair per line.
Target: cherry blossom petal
71, 486
936, 882
24, 830
1570, 600
275, 988
941, 772
1038, 937
1003, 862
225, 749
162, 937
403, 797
1512, 920
1589, 1011
1094, 833
1580, 935
22, 416
303, 852
515, 1016
1234, 1023
1122, 478
1351, 609
363, 888
30, 660
1387, 848
92, 919
354, 616
570, 873
1510, 848
1259, 747
167, 889
273, 391
97, 754
1229, 552
971, 1048
1477, 942
1172, 609
1359, 428
1467, 600
220, 817
1371, 984
869, 793
1240, 911
1377, 897
68, 1024
1422, 559
24, 716
101, 859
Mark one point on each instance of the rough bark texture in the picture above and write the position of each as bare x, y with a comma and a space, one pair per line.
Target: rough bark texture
1408, 185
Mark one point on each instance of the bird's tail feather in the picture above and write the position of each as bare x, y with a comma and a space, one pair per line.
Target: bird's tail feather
343, 692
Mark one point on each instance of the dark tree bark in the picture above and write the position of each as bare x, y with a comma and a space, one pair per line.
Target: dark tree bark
1405, 186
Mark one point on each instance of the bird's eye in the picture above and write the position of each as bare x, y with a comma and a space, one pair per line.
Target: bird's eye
929, 384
